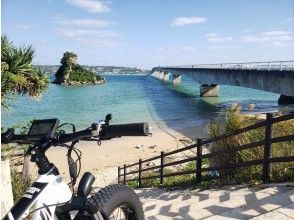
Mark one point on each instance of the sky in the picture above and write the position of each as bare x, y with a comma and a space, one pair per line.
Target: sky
148, 33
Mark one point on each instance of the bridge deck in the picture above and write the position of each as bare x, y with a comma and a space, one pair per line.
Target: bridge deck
267, 76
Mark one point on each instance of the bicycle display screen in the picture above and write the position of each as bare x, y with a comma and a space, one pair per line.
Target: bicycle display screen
44, 128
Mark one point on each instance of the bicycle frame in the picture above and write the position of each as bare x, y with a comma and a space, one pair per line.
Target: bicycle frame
51, 198
43, 195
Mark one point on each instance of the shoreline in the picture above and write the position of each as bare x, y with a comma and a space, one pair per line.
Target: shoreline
103, 160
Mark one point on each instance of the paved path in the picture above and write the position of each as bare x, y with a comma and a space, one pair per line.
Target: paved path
260, 202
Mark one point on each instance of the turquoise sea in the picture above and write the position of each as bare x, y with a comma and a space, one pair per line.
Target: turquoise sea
134, 98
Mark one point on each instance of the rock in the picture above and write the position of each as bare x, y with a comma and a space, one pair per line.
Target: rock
260, 116
251, 107
139, 146
71, 73
152, 146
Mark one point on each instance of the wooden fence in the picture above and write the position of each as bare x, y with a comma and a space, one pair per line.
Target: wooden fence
137, 168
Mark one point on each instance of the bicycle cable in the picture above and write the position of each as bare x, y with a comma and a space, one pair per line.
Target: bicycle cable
56, 204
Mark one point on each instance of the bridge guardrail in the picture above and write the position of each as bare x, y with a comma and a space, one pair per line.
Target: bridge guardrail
287, 65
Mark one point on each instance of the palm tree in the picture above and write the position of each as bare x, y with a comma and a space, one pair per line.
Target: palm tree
17, 74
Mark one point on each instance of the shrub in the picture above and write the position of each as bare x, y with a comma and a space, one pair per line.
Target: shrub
235, 120
19, 185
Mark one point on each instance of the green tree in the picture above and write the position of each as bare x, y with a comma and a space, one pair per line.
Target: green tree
17, 74
70, 72
69, 59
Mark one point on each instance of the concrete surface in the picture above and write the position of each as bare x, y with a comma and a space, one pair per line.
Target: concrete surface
260, 202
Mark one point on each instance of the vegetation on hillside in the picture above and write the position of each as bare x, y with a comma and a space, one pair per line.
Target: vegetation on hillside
70, 72
17, 74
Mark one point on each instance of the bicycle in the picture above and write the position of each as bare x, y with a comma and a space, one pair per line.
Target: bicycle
50, 197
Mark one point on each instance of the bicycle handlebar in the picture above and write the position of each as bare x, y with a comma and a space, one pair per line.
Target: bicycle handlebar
17, 138
106, 132
133, 129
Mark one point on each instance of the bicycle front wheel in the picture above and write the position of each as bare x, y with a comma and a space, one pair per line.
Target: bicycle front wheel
119, 202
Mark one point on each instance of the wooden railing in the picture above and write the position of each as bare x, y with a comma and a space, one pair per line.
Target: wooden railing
137, 168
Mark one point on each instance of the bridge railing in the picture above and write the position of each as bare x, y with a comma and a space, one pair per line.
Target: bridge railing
287, 65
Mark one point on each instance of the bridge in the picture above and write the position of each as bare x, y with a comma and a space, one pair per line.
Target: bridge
271, 76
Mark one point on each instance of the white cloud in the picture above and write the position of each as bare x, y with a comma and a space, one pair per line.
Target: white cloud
290, 19
182, 21
276, 33
84, 31
274, 38
83, 22
219, 39
98, 42
94, 6
176, 50
211, 35
216, 38
72, 32
277, 44
22, 26
246, 30
189, 48
160, 49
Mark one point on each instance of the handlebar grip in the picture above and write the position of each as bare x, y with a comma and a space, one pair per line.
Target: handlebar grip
133, 129
6, 136
15, 138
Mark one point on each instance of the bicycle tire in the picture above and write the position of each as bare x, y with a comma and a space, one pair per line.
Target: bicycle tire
117, 196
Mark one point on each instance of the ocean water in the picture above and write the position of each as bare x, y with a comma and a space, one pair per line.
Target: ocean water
134, 98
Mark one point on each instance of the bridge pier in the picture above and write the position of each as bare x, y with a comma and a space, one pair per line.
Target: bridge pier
156, 74
165, 76
284, 100
209, 90
176, 79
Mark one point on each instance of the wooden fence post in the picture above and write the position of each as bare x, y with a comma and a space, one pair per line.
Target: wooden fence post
199, 160
25, 174
125, 169
118, 174
267, 149
140, 172
161, 167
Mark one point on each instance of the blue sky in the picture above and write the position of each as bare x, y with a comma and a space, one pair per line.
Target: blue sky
147, 33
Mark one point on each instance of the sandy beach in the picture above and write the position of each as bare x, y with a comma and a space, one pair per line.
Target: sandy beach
103, 160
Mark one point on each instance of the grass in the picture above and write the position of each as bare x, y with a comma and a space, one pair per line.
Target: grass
252, 174
233, 119
174, 181
19, 185
21, 128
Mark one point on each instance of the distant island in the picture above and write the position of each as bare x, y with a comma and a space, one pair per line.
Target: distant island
71, 73
119, 70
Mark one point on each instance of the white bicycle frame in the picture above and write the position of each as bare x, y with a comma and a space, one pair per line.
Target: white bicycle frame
43, 195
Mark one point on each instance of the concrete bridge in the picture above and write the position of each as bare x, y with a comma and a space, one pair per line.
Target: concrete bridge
272, 76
